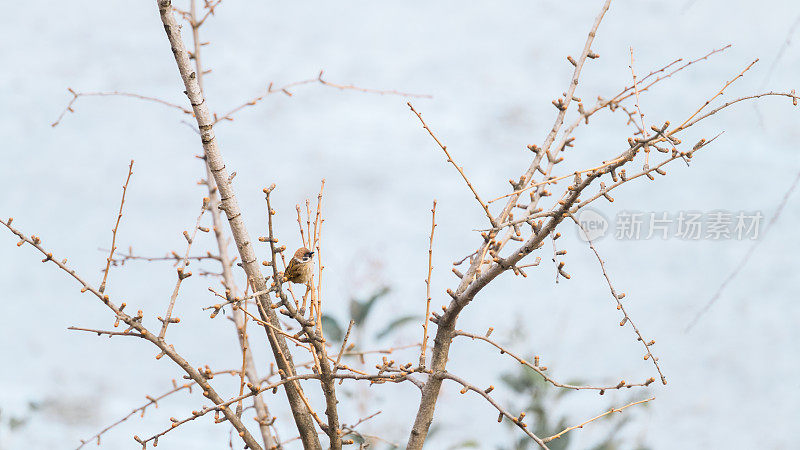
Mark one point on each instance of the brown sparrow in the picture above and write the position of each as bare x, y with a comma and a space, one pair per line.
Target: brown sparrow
300, 267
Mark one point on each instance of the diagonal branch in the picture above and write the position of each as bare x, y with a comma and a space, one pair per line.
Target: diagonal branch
516, 420
229, 204
182, 273
263, 416
745, 258
686, 123
151, 401
460, 169
471, 282
610, 411
135, 323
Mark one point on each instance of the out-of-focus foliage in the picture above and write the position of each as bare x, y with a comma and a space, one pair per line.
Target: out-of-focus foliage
360, 310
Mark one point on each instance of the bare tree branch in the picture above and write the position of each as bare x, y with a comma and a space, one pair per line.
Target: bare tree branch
114, 231
541, 369
135, 323
229, 204
610, 411
467, 288
422, 359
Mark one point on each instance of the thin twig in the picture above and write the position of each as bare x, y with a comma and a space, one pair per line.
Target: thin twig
786, 43
122, 258
151, 401
75, 95
107, 333
602, 104
344, 346
474, 280
516, 420
263, 416
317, 243
291, 311
790, 95
604, 191
428, 289
182, 273
639, 110
223, 406
114, 231
744, 259
685, 124
541, 369
135, 323
636, 91
612, 410
617, 298
285, 89
460, 169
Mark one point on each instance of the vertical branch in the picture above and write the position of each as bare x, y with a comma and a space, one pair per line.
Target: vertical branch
326, 379
317, 243
344, 346
195, 24
308, 222
230, 205
428, 289
312, 330
114, 232
302, 231
636, 92
639, 110
244, 344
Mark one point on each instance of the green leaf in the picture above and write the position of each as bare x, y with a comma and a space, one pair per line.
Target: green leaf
398, 323
360, 310
331, 328
16, 422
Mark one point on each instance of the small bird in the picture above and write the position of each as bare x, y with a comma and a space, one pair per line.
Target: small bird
300, 267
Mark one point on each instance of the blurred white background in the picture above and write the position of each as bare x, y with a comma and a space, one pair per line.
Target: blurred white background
492, 69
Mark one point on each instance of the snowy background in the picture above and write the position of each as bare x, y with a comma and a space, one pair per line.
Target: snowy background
492, 70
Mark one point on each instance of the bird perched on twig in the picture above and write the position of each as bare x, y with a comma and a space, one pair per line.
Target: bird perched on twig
300, 267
